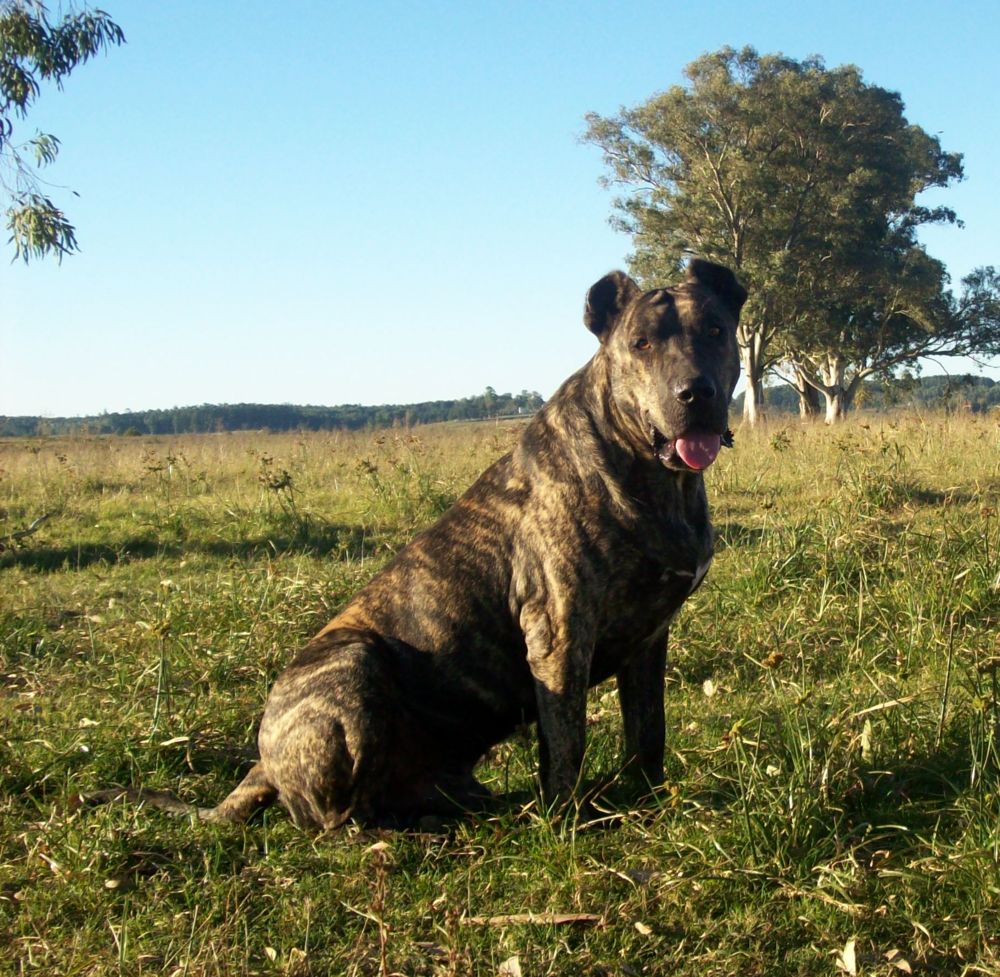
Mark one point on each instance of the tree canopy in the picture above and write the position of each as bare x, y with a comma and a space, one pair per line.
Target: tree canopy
35, 50
875, 318
804, 180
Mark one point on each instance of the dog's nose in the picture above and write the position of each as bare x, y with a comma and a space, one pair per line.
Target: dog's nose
695, 389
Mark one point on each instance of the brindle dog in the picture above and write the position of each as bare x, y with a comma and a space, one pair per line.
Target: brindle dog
561, 566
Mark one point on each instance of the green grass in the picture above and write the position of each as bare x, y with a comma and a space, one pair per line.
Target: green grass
832, 795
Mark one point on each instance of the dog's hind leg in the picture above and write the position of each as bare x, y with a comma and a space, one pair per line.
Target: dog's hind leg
316, 771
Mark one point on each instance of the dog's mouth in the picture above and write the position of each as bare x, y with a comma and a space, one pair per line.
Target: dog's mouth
695, 450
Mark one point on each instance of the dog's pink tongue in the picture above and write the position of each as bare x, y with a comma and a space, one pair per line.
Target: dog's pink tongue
698, 451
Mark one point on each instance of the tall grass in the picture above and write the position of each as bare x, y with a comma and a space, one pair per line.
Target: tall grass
832, 796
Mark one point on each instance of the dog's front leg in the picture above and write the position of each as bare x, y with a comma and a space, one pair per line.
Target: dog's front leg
640, 694
561, 669
562, 722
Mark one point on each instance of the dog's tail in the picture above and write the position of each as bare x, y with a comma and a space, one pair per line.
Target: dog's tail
253, 793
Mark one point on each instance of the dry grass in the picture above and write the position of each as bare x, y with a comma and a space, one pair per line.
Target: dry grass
832, 795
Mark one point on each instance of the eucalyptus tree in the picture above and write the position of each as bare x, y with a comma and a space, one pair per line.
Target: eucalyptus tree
887, 314
767, 164
35, 50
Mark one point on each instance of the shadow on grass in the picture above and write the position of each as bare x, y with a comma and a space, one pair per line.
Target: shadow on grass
924, 496
346, 543
733, 534
914, 793
882, 814
873, 811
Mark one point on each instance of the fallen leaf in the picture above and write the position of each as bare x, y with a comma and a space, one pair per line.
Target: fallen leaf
511, 967
898, 961
847, 960
866, 741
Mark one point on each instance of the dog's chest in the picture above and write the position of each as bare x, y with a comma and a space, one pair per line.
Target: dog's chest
653, 580
642, 601
672, 547
673, 579
664, 586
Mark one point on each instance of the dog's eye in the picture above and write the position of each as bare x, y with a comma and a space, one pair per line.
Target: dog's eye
714, 332
642, 344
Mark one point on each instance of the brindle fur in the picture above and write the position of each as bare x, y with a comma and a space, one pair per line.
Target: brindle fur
560, 567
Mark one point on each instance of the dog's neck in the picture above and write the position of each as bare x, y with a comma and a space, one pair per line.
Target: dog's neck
620, 457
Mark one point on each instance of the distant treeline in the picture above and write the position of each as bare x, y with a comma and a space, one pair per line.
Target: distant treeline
959, 392
207, 418
965, 392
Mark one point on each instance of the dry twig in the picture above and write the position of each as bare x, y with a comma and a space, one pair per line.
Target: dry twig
12, 538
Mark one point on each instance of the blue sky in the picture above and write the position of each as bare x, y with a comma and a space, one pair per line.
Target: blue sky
376, 202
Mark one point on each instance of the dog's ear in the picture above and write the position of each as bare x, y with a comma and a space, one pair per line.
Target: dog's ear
720, 280
606, 301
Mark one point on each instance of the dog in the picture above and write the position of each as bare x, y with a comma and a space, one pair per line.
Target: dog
561, 566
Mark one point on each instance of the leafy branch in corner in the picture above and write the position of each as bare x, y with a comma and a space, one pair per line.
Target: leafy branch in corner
35, 50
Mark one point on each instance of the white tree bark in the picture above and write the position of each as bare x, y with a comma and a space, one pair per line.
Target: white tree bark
751, 356
832, 372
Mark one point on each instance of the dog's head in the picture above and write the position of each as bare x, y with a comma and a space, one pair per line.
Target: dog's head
672, 358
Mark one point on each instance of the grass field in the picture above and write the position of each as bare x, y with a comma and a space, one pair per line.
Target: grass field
832, 802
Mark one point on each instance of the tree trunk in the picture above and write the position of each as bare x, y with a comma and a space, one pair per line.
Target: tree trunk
753, 403
836, 394
808, 403
751, 357
836, 404
808, 395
